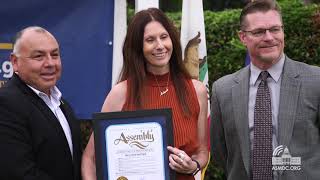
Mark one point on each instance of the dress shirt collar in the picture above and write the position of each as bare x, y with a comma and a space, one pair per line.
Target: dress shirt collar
274, 71
55, 95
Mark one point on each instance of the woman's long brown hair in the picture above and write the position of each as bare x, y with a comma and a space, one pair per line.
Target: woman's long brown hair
134, 66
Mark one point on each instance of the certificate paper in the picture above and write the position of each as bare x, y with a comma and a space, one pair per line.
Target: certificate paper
132, 145
135, 151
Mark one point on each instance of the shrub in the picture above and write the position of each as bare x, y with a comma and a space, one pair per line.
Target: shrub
226, 54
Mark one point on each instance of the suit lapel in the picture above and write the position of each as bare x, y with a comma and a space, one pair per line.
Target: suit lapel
43, 108
240, 99
289, 93
73, 124
75, 134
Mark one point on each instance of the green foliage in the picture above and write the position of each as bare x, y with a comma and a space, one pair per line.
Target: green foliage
224, 49
301, 35
176, 18
170, 5
130, 13
226, 54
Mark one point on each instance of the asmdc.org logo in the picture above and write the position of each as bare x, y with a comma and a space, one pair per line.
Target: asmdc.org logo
282, 160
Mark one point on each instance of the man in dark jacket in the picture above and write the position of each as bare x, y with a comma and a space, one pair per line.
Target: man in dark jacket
39, 133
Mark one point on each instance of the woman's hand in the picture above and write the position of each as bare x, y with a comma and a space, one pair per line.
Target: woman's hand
180, 161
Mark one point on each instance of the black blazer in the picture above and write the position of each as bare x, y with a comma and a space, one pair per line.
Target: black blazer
33, 145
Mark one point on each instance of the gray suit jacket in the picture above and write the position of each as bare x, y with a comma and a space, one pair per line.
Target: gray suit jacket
298, 121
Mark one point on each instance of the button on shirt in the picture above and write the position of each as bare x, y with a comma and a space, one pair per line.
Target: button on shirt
53, 102
274, 84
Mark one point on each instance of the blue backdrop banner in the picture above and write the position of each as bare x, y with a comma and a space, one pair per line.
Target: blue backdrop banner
84, 30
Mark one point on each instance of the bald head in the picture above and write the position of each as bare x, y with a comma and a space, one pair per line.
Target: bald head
36, 58
21, 34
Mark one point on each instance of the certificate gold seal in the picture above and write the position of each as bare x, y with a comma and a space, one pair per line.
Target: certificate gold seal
122, 178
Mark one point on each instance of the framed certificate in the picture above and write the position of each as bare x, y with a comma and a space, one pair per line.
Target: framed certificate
132, 145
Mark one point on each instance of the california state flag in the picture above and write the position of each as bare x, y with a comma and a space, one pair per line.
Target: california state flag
193, 41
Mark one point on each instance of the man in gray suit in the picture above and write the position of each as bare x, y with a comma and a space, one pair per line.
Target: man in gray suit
294, 91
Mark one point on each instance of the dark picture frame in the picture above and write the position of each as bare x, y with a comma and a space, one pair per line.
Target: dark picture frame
119, 124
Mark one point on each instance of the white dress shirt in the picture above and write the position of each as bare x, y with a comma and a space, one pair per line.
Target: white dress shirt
53, 102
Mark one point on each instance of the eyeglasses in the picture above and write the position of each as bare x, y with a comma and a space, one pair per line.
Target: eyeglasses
260, 32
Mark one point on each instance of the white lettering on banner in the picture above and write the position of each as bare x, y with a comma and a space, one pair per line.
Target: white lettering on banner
6, 70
